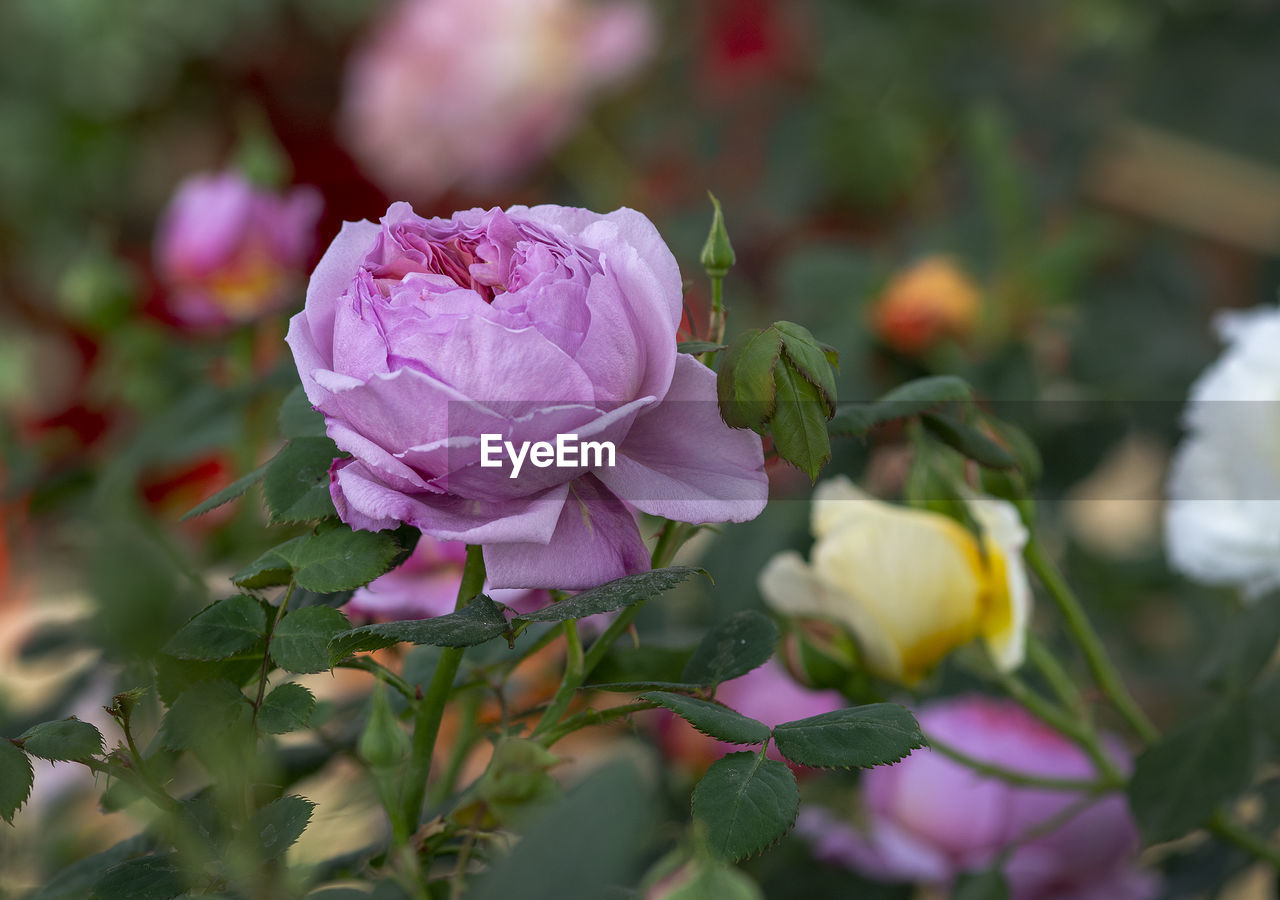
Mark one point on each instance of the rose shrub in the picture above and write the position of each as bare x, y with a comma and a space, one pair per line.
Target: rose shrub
420, 335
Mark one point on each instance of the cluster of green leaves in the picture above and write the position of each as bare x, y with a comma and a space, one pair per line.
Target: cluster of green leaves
1187, 778
779, 381
748, 800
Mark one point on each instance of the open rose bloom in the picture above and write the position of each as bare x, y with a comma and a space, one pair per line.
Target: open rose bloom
929, 818
228, 252
421, 335
469, 92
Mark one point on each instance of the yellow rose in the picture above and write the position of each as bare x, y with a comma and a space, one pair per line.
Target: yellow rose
921, 305
909, 585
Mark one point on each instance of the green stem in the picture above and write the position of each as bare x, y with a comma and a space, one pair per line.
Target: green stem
715, 330
1056, 677
1245, 840
266, 652
1095, 655
372, 666
1078, 731
430, 709
590, 717
467, 735
1020, 778
574, 675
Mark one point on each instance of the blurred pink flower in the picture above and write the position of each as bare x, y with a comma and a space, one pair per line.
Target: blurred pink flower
469, 92
426, 585
929, 818
768, 694
228, 252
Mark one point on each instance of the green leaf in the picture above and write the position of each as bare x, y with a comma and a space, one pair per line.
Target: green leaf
617, 594
479, 621
298, 419
65, 739
220, 630
277, 826
76, 881
235, 489
904, 401
296, 486
341, 559
1245, 646
744, 383
16, 776
857, 738
968, 441
713, 719
144, 878
300, 642
287, 708
809, 359
695, 348
799, 424
747, 802
274, 567
210, 711
1179, 782
985, 885
737, 645
175, 676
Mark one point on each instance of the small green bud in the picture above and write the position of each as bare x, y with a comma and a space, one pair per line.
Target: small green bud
383, 743
717, 253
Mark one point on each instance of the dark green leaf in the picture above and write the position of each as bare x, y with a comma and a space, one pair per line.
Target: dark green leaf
985, 885
16, 776
744, 382
300, 642
175, 676
694, 348
341, 559
274, 567
857, 738
211, 711
606, 818
287, 708
1179, 782
65, 739
713, 719
799, 424
296, 486
277, 826
616, 594
1245, 646
220, 630
76, 881
144, 878
809, 359
235, 489
479, 621
737, 645
904, 401
968, 441
747, 802
298, 419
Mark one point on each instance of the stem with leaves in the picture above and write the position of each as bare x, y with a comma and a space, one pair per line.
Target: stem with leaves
429, 711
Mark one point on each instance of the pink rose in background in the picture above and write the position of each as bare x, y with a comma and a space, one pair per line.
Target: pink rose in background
768, 694
426, 585
929, 818
469, 92
421, 335
228, 252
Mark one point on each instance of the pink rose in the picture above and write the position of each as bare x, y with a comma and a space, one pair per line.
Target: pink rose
469, 92
228, 252
929, 818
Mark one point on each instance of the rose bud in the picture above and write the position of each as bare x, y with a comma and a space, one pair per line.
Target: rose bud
910, 586
228, 252
932, 300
